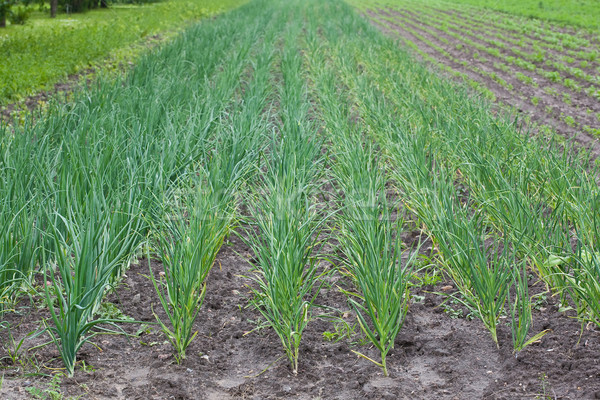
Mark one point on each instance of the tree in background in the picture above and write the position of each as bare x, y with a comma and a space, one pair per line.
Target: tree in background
5, 6
81, 5
65, 5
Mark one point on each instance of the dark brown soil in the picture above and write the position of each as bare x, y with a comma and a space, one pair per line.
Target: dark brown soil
436, 356
549, 110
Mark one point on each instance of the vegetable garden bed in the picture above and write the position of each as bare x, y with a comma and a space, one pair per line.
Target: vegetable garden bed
378, 231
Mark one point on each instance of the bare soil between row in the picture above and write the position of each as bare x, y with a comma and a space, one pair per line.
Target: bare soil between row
436, 356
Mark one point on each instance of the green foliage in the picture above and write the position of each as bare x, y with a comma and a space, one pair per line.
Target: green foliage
284, 218
81, 184
199, 212
522, 197
287, 281
19, 15
5, 6
18, 252
187, 249
368, 234
520, 312
89, 249
74, 44
109, 311
374, 262
75, 6
341, 330
51, 392
243, 104
569, 120
584, 13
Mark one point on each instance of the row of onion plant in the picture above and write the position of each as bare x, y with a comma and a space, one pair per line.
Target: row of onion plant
368, 222
284, 220
200, 211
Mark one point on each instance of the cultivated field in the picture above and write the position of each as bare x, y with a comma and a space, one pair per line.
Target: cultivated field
283, 202
549, 72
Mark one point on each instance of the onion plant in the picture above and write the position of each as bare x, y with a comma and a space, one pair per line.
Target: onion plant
525, 221
371, 243
187, 247
20, 210
584, 283
520, 312
368, 236
286, 275
88, 251
285, 237
531, 192
480, 265
285, 221
19, 241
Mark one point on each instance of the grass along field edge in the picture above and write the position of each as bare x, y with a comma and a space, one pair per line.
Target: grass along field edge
38, 56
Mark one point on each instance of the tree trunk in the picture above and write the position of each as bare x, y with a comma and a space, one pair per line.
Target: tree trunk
103, 3
3, 20
53, 7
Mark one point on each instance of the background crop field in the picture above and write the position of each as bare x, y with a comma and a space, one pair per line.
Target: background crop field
283, 202
582, 14
541, 69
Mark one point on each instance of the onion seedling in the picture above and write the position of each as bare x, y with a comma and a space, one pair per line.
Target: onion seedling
371, 243
482, 273
584, 284
187, 248
520, 313
286, 275
368, 237
87, 254
18, 252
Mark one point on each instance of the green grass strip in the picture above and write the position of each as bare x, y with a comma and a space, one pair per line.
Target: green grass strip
45, 51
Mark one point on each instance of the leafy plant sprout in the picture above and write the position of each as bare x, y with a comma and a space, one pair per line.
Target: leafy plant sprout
520, 313
85, 260
374, 262
187, 249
